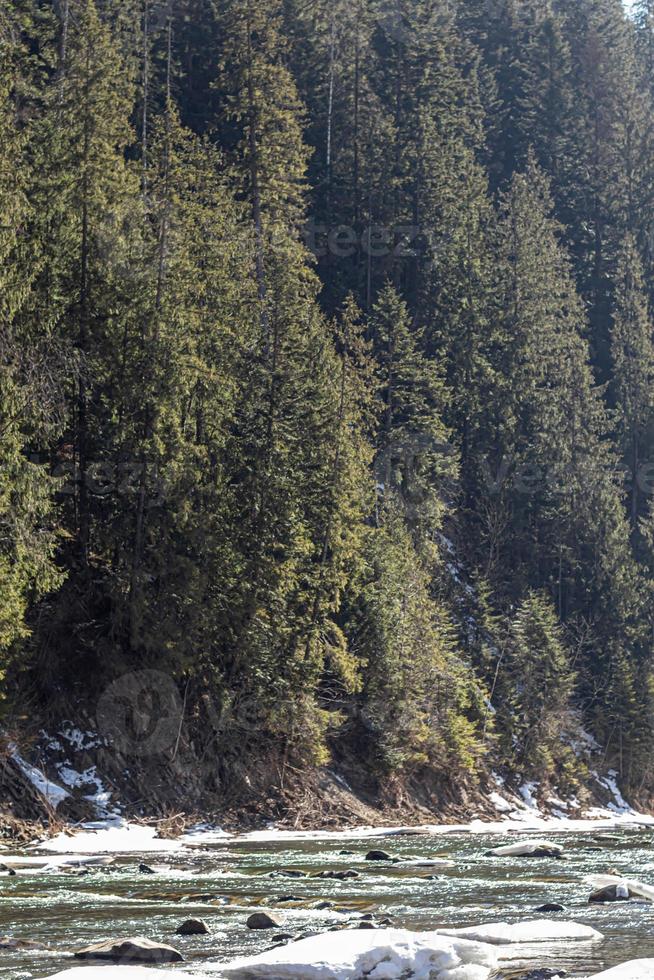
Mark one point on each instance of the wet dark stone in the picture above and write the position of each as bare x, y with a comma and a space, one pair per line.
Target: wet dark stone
192, 927
609, 894
544, 974
338, 875
262, 920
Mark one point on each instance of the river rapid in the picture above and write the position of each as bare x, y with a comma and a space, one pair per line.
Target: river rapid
223, 880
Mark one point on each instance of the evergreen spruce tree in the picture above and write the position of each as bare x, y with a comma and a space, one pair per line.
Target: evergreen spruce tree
290, 443
632, 351
421, 703
29, 385
414, 461
536, 685
84, 195
565, 498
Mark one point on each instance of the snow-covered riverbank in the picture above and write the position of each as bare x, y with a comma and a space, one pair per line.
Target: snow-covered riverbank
386, 955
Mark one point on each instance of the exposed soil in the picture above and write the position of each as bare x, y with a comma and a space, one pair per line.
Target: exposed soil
180, 790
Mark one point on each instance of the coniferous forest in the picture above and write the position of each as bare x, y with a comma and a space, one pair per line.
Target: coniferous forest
327, 377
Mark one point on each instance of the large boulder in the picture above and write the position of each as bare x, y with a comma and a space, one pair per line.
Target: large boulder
192, 927
133, 950
378, 856
337, 875
9, 942
624, 888
263, 920
546, 973
612, 893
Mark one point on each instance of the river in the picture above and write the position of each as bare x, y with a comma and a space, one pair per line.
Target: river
223, 881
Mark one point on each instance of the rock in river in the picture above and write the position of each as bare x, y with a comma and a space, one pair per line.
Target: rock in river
544, 974
338, 875
192, 927
133, 950
604, 884
262, 920
8, 942
612, 893
378, 856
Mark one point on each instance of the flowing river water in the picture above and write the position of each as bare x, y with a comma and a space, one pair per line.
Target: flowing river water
224, 881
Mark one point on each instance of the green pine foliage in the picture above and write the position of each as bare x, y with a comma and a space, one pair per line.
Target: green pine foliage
325, 375
30, 382
534, 689
632, 351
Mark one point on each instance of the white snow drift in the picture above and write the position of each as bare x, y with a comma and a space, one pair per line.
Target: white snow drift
386, 954
634, 970
120, 973
527, 848
539, 931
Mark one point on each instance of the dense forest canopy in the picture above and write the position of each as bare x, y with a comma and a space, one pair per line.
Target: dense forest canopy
327, 374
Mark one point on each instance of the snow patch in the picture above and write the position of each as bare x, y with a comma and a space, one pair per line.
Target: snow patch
113, 837
610, 783
527, 792
120, 973
80, 741
70, 740
540, 931
52, 792
425, 863
634, 970
387, 954
100, 798
500, 803
526, 848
